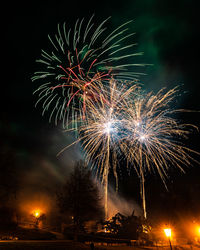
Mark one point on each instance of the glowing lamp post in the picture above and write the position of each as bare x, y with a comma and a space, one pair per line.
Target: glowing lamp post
37, 215
197, 238
168, 233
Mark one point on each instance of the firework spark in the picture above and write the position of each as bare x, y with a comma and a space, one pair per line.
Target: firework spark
152, 137
100, 132
78, 58
141, 127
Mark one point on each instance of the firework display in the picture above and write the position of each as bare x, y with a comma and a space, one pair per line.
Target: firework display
86, 84
99, 133
102, 129
126, 123
153, 137
79, 57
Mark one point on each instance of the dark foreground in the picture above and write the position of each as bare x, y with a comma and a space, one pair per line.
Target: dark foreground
42, 244
70, 245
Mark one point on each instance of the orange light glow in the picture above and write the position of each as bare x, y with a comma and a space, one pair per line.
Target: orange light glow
37, 213
168, 232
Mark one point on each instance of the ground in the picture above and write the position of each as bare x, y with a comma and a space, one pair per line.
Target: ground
70, 245
42, 245
33, 239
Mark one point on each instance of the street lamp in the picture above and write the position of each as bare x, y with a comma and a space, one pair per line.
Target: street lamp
37, 215
197, 234
168, 233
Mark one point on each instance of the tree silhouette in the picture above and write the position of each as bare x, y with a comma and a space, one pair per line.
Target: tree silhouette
130, 227
80, 198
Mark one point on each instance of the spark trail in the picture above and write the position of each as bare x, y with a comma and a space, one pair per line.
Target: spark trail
140, 128
76, 59
153, 137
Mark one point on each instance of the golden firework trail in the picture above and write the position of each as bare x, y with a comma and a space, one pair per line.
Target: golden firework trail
141, 128
99, 132
153, 138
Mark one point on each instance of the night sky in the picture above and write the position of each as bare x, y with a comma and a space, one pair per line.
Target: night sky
166, 31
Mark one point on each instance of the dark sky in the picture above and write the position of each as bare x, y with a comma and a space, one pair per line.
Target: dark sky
167, 33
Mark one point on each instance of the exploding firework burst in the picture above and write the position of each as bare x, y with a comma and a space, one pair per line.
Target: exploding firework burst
139, 127
100, 132
152, 137
78, 58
